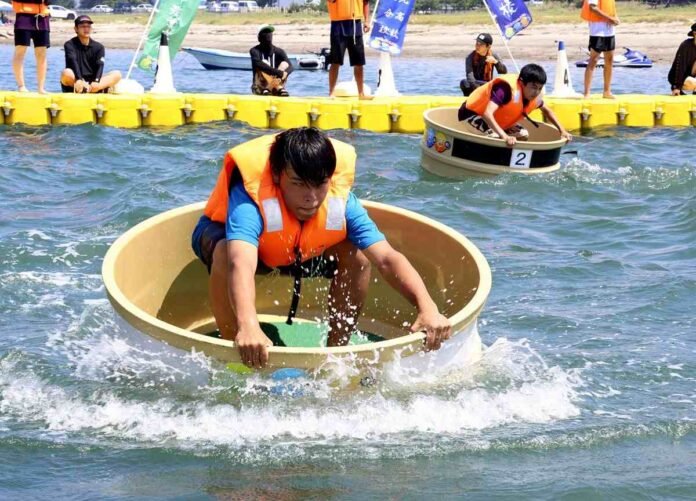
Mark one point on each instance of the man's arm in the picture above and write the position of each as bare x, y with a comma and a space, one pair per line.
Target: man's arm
611, 19
71, 60
404, 278
252, 343
99, 63
281, 57
500, 66
366, 16
470, 77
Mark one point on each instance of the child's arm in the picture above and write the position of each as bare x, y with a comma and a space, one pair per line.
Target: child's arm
551, 117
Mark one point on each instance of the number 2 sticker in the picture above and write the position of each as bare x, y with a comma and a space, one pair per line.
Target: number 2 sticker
520, 159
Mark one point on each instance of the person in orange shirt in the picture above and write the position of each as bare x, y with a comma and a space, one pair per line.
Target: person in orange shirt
31, 26
347, 29
601, 17
284, 202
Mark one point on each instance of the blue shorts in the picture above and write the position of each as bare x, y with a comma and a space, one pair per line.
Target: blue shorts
208, 233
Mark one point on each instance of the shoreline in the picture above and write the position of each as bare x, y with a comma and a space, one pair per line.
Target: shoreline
537, 43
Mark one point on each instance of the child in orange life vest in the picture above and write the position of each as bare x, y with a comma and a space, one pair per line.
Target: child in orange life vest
284, 201
496, 107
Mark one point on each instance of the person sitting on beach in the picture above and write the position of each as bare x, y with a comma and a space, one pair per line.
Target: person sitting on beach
284, 202
270, 65
682, 74
496, 107
347, 34
601, 18
31, 25
480, 64
84, 61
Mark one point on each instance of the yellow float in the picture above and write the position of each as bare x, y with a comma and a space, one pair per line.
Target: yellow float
157, 284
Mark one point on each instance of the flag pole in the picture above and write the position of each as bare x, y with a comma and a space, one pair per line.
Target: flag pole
142, 38
517, 68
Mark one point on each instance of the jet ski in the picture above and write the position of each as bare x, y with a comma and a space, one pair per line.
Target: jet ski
629, 59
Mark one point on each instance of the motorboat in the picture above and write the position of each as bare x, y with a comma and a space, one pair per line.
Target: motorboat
629, 59
159, 287
217, 59
456, 150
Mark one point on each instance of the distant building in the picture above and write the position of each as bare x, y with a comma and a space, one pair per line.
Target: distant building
284, 4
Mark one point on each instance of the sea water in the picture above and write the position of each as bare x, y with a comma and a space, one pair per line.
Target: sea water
586, 388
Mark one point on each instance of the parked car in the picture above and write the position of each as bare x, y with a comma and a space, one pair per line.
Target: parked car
213, 7
123, 8
202, 5
248, 6
60, 12
102, 8
142, 7
227, 6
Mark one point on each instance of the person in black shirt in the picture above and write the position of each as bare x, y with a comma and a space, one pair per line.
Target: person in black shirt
84, 61
682, 74
270, 65
480, 64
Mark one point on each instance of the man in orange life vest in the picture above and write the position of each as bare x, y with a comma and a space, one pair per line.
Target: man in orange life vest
496, 107
601, 17
31, 25
284, 201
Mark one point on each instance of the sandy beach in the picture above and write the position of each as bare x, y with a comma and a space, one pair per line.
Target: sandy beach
659, 41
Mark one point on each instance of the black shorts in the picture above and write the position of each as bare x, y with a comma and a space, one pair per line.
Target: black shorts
356, 50
25, 37
602, 44
208, 233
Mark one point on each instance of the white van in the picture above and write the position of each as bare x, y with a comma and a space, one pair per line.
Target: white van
227, 6
248, 6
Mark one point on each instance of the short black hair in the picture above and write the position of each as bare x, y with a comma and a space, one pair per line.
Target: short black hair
308, 151
533, 73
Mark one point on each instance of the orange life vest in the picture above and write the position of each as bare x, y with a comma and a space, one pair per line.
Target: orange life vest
343, 10
606, 6
282, 232
35, 7
508, 114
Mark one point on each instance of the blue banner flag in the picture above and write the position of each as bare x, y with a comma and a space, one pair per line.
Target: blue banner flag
389, 25
511, 16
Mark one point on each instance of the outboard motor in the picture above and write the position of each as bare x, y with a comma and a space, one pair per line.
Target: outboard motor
325, 52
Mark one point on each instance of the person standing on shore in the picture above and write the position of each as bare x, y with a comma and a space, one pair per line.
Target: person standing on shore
480, 64
601, 17
682, 74
347, 29
31, 25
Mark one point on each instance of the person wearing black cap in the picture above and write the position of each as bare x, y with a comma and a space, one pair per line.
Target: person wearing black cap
84, 62
480, 64
682, 74
270, 65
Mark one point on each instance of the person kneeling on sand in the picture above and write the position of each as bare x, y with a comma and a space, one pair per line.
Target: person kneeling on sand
496, 107
682, 74
84, 61
270, 65
284, 202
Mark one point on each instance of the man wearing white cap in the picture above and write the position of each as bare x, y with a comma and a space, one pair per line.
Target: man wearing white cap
270, 65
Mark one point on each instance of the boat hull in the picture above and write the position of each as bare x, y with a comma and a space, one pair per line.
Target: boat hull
213, 59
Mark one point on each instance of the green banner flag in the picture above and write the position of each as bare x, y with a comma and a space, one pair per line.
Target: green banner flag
173, 18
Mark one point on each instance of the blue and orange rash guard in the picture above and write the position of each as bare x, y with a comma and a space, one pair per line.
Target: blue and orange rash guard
244, 221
